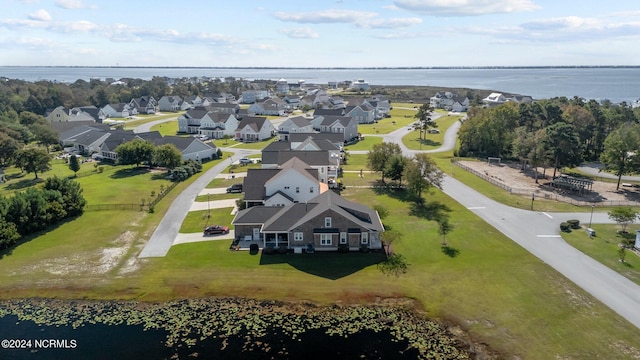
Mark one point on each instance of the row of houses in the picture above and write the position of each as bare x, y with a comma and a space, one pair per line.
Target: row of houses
101, 141
141, 105
289, 201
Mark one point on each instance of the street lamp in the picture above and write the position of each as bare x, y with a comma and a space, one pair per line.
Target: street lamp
533, 197
591, 217
208, 207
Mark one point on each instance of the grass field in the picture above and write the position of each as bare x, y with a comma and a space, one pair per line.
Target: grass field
432, 141
482, 281
604, 248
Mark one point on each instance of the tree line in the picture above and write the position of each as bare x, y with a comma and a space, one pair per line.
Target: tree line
555, 133
37, 208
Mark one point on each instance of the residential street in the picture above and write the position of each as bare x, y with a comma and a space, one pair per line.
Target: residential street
537, 232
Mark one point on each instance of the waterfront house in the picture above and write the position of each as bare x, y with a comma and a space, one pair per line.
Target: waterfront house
324, 223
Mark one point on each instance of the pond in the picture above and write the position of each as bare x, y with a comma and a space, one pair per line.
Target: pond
217, 328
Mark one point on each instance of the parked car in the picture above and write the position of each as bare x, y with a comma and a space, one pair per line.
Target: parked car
235, 188
245, 161
216, 230
433, 131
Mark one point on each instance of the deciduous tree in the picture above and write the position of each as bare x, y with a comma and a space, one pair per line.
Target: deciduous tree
379, 156
421, 174
620, 149
168, 156
136, 152
33, 160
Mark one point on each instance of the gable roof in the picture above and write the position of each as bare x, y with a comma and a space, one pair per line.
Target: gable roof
254, 122
281, 219
336, 138
342, 120
320, 144
324, 112
313, 158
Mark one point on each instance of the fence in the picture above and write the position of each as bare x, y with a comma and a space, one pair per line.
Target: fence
545, 195
133, 207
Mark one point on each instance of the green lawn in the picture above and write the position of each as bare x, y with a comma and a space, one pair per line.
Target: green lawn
482, 280
432, 141
198, 220
365, 144
144, 118
167, 129
214, 197
604, 248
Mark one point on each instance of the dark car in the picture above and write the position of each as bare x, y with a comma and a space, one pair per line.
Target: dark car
215, 230
235, 188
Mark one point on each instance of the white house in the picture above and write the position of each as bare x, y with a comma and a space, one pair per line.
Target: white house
282, 87
360, 84
217, 125
294, 181
59, 114
253, 129
119, 110
494, 99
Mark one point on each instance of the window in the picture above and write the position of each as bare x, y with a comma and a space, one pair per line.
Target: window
286, 187
325, 239
343, 238
364, 238
327, 222
311, 189
297, 189
298, 236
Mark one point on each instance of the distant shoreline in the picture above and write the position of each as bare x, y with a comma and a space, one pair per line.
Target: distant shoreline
334, 68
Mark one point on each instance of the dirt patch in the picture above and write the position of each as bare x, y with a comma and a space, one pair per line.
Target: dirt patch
523, 182
95, 262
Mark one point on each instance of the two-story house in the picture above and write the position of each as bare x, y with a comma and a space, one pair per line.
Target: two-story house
144, 105
251, 129
273, 107
296, 124
294, 181
362, 114
324, 223
170, 103
344, 125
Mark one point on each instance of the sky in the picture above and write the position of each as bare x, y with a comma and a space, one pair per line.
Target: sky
321, 33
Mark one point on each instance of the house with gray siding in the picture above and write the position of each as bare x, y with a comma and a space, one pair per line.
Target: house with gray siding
326, 222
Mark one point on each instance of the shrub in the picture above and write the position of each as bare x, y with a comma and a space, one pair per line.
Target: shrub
565, 227
343, 248
364, 248
269, 250
253, 249
574, 224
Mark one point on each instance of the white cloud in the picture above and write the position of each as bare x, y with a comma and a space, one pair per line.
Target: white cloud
300, 33
73, 4
326, 16
465, 7
389, 23
563, 29
40, 15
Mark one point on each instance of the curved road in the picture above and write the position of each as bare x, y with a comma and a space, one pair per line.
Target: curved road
537, 232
